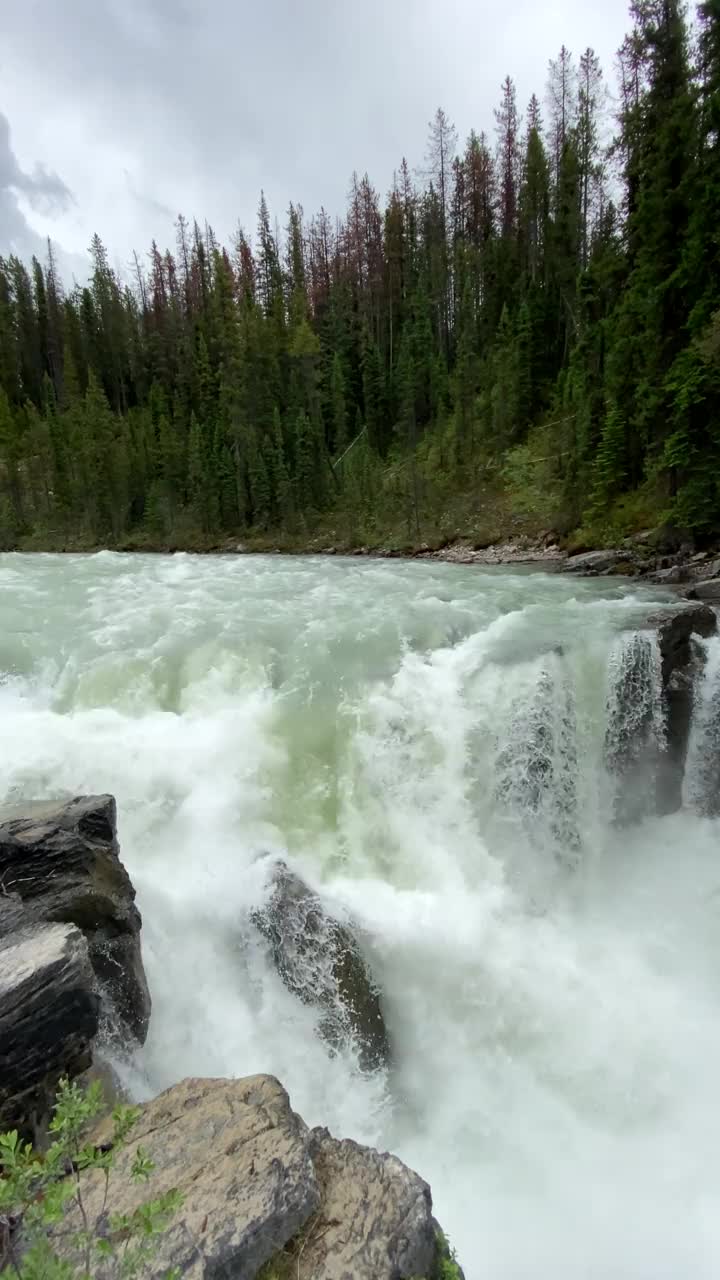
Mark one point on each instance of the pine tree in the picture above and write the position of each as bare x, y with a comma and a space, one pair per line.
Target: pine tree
339, 433
499, 299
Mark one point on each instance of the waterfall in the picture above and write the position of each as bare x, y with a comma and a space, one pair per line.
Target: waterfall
448, 758
537, 766
701, 790
635, 729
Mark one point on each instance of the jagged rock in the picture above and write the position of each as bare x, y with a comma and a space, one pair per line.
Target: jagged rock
48, 1019
676, 574
676, 626
375, 1220
257, 1185
320, 961
650, 708
63, 863
708, 589
592, 562
639, 539
682, 664
241, 1159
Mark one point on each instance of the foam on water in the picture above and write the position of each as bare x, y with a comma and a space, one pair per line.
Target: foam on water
426, 743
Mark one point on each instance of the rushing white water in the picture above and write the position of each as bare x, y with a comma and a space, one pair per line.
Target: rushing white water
702, 778
427, 745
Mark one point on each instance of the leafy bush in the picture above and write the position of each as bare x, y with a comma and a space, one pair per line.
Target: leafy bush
41, 1193
448, 1267
531, 472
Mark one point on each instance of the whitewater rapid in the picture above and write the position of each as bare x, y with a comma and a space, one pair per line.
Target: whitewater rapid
427, 744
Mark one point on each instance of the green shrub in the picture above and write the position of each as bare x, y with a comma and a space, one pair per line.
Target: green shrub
41, 1192
447, 1266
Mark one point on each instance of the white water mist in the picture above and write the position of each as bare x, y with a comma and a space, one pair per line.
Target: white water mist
427, 745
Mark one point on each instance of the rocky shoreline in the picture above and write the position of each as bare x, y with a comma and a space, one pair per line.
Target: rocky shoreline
647, 557
662, 556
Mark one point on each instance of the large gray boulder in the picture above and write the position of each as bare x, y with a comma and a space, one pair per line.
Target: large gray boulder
708, 590
319, 959
48, 1019
240, 1158
260, 1188
590, 563
63, 864
376, 1214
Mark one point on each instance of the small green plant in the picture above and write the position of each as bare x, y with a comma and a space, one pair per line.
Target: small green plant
46, 1232
447, 1266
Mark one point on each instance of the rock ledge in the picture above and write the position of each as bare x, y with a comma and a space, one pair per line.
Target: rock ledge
254, 1178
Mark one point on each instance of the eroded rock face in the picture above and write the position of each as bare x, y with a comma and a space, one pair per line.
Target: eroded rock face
678, 629
378, 1215
241, 1159
63, 865
650, 708
257, 1184
49, 1011
682, 665
320, 961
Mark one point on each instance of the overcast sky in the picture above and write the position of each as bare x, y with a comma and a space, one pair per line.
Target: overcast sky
117, 114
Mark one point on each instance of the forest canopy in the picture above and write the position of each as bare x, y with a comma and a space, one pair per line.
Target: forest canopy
536, 315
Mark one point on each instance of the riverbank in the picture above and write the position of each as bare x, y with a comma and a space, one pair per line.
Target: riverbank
660, 555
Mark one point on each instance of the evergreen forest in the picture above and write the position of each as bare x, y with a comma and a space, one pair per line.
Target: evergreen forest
523, 334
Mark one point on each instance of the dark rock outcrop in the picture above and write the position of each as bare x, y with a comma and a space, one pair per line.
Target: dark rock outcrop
672, 577
260, 1188
651, 706
320, 961
676, 627
589, 563
62, 864
682, 664
49, 1012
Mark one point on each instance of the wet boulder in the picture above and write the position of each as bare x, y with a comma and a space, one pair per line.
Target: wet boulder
320, 960
62, 865
676, 628
653, 675
708, 589
49, 1010
679, 629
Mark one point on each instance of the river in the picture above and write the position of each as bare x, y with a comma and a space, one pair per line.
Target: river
426, 744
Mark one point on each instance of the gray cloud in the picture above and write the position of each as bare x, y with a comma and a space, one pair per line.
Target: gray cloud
147, 106
44, 191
